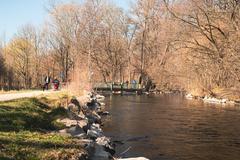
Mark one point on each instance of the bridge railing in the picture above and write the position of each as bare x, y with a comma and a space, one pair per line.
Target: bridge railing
111, 85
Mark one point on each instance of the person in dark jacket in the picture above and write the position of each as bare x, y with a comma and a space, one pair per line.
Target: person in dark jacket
47, 80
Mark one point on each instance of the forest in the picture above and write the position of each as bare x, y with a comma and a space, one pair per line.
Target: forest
186, 45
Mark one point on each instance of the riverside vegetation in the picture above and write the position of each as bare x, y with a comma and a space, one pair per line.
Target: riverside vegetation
190, 45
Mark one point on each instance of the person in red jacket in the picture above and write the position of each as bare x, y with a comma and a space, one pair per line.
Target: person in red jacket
56, 84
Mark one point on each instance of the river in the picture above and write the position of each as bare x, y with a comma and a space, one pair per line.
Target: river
170, 127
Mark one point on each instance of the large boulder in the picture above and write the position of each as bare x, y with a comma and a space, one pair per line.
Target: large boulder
75, 131
82, 115
93, 117
74, 106
68, 122
92, 105
82, 123
100, 97
106, 142
103, 113
97, 152
95, 131
94, 134
96, 126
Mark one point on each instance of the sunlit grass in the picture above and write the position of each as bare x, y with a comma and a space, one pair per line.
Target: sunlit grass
34, 145
26, 127
18, 91
29, 114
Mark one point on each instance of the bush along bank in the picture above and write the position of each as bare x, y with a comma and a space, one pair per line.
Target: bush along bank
84, 122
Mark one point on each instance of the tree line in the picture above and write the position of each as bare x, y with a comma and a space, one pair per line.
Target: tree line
191, 45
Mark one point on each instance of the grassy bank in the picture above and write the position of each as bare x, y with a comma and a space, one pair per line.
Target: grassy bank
26, 127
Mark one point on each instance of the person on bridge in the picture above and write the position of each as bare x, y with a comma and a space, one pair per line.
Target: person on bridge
127, 82
134, 84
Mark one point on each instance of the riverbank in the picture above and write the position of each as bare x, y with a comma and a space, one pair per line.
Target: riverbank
54, 127
220, 96
27, 130
88, 111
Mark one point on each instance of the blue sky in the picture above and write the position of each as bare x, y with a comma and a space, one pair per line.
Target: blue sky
16, 13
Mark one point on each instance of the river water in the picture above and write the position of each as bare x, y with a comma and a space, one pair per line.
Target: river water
170, 127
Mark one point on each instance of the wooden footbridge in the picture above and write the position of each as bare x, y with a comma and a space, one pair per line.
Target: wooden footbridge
116, 87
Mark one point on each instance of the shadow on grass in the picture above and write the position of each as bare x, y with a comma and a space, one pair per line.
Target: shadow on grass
29, 114
42, 145
6, 158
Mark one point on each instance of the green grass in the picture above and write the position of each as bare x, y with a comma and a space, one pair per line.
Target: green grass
26, 127
25, 145
29, 114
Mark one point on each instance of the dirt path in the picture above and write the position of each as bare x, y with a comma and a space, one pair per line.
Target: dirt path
12, 96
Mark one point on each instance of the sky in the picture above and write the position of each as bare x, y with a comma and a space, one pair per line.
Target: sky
16, 13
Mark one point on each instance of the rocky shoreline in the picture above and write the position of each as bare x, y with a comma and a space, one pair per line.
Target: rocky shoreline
84, 122
204, 98
211, 99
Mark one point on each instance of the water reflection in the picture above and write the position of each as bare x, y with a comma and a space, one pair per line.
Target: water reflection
170, 127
